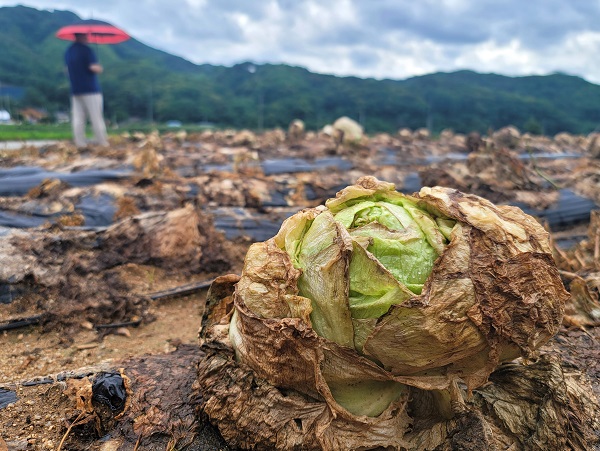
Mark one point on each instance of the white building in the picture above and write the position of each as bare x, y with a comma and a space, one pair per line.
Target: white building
4, 117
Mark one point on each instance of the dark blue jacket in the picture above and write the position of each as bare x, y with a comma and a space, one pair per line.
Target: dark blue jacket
78, 59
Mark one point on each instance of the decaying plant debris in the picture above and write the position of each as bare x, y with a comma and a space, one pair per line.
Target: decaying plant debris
253, 414
68, 276
105, 268
289, 386
158, 411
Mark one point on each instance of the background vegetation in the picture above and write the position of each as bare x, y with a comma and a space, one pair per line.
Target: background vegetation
144, 84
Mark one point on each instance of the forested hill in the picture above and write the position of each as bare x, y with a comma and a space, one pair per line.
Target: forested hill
142, 82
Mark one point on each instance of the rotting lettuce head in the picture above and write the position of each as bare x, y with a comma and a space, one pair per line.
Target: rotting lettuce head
353, 301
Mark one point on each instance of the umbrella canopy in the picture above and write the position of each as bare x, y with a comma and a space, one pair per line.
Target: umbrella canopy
96, 33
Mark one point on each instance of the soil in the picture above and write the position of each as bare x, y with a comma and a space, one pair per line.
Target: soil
33, 352
70, 347
165, 335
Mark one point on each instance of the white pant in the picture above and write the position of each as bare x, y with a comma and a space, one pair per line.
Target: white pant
90, 105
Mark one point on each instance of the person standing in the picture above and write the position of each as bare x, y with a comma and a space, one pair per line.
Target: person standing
86, 95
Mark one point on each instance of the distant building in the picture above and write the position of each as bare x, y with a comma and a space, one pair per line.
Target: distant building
33, 115
4, 117
61, 117
174, 124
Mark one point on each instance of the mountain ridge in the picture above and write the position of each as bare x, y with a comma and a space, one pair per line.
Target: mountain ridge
147, 83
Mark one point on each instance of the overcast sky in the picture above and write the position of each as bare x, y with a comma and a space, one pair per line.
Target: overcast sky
366, 38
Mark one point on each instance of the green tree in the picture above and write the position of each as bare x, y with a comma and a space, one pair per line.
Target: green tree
533, 126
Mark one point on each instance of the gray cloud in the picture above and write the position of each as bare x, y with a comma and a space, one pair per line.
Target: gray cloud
364, 58
424, 19
535, 22
374, 38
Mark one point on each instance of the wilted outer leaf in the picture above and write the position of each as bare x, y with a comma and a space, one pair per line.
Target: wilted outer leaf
583, 309
525, 407
253, 414
545, 405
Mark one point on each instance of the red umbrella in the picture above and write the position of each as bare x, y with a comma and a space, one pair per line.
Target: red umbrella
96, 33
